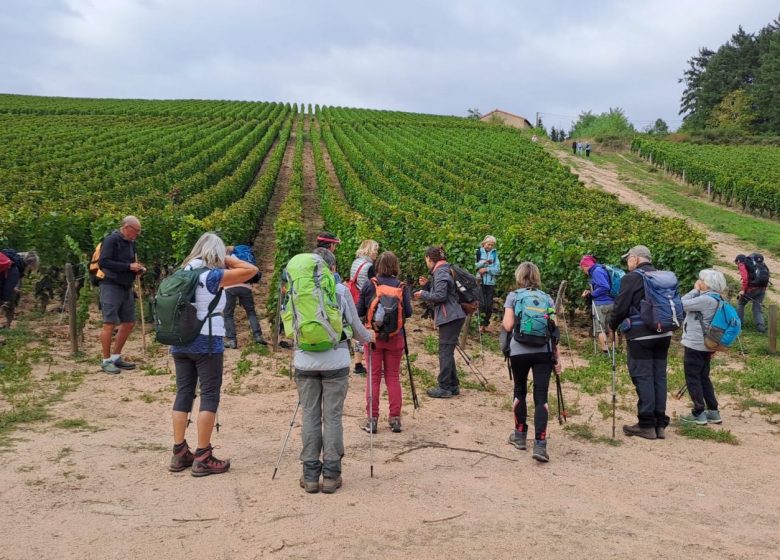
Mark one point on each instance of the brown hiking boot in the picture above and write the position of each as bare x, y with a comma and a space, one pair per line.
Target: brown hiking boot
637, 430
182, 458
311, 486
330, 485
205, 463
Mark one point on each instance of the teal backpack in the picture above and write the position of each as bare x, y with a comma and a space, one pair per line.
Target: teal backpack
724, 328
176, 320
532, 317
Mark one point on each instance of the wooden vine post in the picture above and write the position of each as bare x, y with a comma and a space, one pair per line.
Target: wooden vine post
72, 301
773, 329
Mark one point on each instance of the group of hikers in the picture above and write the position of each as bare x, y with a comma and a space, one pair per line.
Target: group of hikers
324, 316
580, 147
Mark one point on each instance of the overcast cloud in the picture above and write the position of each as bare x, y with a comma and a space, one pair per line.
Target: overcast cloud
557, 58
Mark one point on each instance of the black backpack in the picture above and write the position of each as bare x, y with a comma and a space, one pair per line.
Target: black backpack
467, 288
758, 272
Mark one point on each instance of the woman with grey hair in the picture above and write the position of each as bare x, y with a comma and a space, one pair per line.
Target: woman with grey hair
700, 305
201, 360
361, 270
488, 268
19, 264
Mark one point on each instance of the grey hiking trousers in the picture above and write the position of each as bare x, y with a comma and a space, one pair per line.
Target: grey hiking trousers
322, 395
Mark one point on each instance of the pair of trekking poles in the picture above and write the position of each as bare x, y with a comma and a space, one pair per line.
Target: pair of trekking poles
415, 402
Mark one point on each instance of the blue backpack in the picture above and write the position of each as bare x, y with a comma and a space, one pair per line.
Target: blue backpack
532, 317
244, 252
661, 309
615, 275
724, 327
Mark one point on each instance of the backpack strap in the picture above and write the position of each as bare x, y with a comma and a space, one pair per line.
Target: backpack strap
357, 272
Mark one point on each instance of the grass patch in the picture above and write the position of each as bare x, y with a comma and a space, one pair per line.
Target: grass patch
154, 372
148, 398
76, 424
764, 407
584, 432
694, 431
431, 344
63, 453
254, 348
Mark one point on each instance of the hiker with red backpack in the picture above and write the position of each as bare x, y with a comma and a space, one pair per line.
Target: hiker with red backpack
360, 272
200, 361
386, 302
13, 267
647, 310
702, 306
449, 317
755, 279
602, 300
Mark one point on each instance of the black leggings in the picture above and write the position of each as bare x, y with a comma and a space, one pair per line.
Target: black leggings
486, 309
541, 364
190, 368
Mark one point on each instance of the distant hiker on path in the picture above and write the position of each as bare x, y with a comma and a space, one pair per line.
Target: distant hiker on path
587, 150
579, 147
647, 349
488, 268
574, 148
242, 295
448, 317
201, 361
755, 279
13, 267
119, 263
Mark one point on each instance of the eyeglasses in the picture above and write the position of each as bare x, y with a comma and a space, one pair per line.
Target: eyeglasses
135, 229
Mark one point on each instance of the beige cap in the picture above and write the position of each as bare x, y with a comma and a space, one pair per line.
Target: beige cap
638, 251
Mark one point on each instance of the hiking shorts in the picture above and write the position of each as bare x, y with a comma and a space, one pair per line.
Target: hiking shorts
117, 304
602, 316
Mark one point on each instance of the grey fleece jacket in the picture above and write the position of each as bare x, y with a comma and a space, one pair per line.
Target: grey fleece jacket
697, 305
441, 291
339, 357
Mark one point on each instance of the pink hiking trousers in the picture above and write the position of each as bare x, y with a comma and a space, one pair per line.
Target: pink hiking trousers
385, 358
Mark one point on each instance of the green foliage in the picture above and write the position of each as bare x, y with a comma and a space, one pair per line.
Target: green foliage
612, 123
694, 431
585, 432
734, 112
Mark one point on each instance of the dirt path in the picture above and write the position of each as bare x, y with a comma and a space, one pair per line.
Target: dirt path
606, 178
310, 200
448, 487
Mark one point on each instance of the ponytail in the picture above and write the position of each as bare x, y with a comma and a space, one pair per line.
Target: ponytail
436, 254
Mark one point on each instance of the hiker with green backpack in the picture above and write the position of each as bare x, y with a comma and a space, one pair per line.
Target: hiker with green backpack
319, 314
706, 310
529, 320
187, 310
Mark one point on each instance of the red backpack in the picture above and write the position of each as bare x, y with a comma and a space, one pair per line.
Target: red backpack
352, 283
5, 264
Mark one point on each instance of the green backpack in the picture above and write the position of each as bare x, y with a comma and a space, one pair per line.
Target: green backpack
311, 313
175, 316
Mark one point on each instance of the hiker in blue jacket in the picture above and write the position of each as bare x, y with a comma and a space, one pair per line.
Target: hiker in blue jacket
602, 301
488, 268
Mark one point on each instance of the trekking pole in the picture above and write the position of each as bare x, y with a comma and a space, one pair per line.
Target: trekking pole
478, 374
143, 321
415, 400
594, 314
741, 348
277, 316
562, 414
287, 437
479, 330
370, 381
509, 368
681, 391
614, 386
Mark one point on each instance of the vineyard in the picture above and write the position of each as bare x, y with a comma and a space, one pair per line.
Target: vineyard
745, 176
74, 167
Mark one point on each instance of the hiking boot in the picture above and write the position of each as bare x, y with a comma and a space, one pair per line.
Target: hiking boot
181, 459
518, 439
121, 364
713, 417
360, 369
637, 430
260, 340
205, 463
371, 425
330, 485
230, 343
660, 432
395, 424
438, 393
285, 344
110, 368
455, 391
540, 451
311, 486
699, 419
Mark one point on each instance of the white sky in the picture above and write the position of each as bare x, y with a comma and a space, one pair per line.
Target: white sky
557, 58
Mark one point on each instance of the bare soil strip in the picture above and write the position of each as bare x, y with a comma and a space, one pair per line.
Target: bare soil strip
310, 199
